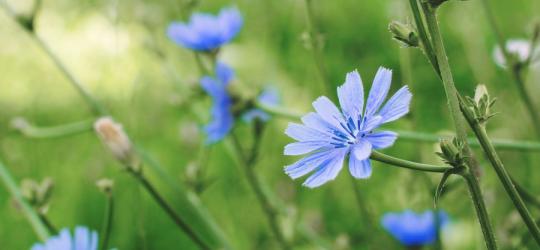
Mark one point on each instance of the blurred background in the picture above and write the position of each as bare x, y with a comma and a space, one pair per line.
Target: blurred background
119, 51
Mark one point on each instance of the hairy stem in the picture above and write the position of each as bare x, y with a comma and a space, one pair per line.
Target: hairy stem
505, 179
33, 218
481, 211
426, 42
459, 123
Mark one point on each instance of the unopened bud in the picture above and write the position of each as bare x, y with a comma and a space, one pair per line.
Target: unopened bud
404, 33
105, 185
451, 152
480, 92
38, 194
115, 139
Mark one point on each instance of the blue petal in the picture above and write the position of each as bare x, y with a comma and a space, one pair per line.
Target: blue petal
213, 88
371, 122
224, 73
304, 133
308, 164
378, 92
230, 21
351, 96
360, 169
269, 96
300, 148
382, 139
328, 170
183, 35
93, 245
361, 150
397, 106
81, 238
329, 113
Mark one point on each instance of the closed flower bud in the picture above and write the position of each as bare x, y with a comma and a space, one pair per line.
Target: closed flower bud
115, 139
404, 33
451, 152
38, 194
105, 185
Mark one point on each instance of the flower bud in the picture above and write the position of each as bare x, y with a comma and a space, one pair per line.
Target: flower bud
404, 33
105, 185
37, 194
451, 152
115, 139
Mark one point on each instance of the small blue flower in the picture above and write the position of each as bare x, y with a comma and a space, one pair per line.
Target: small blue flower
222, 117
412, 229
82, 239
329, 135
269, 96
206, 32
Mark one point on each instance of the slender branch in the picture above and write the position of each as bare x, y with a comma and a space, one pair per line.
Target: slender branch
316, 46
37, 225
515, 69
169, 210
378, 156
504, 177
52, 229
526, 195
255, 184
481, 211
108, 222
35, 132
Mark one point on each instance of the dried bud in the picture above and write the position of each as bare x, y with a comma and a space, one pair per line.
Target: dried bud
113, 136
404, 33
105, 185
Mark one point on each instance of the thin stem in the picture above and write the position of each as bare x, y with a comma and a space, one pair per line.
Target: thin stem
514, 69
69, 129
37, 225
505, 179
108, 222
269, 209
526, 195
52, 229
170, 211
316, 46
481, 211
426, 42
378, 156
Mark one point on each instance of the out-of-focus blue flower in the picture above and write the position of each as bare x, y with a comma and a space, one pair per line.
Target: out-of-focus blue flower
222, 117
412, 229
269, 96
205, 32
329, 135
82, 239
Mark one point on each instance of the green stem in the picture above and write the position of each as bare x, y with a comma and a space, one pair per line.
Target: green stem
47, 223
69, 129
426, 43
378, 156
39, 228
505, 179
256, 185
169, 210
481, 211
514, 69
108, 222
459, 123
316, 46
526, 195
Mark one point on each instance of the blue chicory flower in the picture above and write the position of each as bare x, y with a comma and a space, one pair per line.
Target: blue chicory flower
82, 239
205, 32
222, 117
412, 229
269, 96
329, 135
